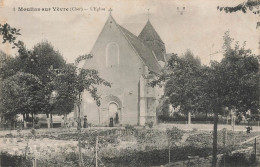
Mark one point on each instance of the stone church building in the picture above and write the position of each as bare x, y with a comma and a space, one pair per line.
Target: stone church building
128, 62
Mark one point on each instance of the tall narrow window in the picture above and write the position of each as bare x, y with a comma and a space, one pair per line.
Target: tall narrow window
112, 55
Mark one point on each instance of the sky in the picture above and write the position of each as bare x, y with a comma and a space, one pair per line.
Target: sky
200, 28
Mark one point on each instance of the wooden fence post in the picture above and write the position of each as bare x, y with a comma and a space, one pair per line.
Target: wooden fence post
255, 148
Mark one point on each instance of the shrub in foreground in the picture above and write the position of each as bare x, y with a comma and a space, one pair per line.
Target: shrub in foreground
14, 160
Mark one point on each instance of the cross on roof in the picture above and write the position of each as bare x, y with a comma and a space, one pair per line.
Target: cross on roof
148, 13
110, 10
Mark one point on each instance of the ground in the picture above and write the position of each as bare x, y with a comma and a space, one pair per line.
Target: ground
139, 145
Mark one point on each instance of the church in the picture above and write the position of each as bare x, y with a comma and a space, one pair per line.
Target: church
129, 63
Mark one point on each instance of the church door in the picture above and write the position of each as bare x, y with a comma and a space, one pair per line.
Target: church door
113, 111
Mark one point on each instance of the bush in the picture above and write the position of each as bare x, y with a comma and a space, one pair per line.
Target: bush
130, 128
149, 124
235, 160
10, 160
174, 134
155, 157
184, 118
152, 137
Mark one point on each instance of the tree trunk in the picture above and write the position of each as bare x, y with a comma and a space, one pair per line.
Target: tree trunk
79, 134
65, 120
24, 121
48, 121
32, 120
215, 136
189, 118
51, 120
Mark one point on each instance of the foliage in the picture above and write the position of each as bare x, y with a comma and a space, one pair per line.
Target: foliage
184, 80
178, 117
77, 80
163, 108
233, 82
236, 160
63, 84
36, 62
149, 124
174, 135
22, 94
14, 160
130, 127
249, 5
236, 78
155, 157
46, 57
9, 34
89, 138
204, 139
149, 136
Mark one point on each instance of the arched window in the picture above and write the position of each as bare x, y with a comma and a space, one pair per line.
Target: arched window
112, 55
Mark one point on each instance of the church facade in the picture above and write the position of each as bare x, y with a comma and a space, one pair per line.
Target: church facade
129, 63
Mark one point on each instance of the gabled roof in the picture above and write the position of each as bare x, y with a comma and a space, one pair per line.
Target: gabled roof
149, 34
144, 52
153, 40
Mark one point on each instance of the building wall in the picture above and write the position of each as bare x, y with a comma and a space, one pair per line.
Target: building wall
123, 76
149, 97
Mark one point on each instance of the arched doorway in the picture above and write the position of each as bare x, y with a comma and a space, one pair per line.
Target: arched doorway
113, 109
110, 105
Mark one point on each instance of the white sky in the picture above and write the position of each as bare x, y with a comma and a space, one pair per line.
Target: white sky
199, 29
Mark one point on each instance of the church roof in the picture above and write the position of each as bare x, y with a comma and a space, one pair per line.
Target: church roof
153, 40
148, 33
143, 50
145, 53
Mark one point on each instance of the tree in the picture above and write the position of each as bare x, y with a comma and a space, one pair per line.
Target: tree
249, 5
3, 57
77, 80
36, 62
232, 83
184, 81
9, 34
65, 100
47, 57
241, 71
22, 94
